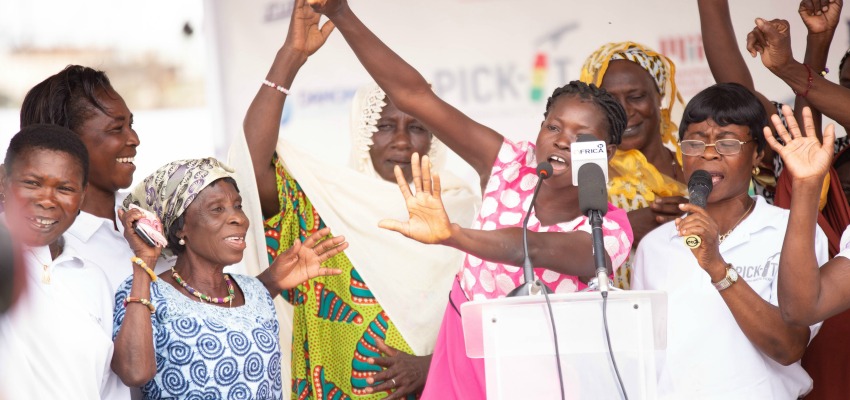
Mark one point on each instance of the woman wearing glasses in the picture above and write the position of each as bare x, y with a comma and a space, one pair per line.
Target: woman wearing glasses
726, 337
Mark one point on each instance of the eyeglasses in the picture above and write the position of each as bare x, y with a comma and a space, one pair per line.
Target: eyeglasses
726, 147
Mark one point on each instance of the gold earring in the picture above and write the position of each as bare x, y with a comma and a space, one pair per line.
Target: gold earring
756, 170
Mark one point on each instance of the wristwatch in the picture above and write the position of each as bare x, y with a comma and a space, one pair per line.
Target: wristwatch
731, 277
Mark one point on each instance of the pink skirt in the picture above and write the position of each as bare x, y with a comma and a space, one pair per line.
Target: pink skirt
453, 375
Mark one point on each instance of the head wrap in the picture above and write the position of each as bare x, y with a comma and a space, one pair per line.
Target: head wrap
366, 108
660, 68
170, 190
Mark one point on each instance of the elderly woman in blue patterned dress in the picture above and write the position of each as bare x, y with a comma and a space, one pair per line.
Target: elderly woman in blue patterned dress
195, 331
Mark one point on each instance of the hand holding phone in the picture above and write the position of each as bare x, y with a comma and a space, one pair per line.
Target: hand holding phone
149, 228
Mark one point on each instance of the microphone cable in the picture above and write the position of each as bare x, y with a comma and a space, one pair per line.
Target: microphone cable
555, 336
608, 341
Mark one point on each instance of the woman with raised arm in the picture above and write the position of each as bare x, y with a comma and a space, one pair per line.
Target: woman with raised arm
559, 241
726, 337
393, 290
646, 174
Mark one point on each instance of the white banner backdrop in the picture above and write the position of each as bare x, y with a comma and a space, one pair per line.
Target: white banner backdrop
495, 60
486, 57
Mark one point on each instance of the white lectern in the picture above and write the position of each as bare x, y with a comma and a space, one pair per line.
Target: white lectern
514, 335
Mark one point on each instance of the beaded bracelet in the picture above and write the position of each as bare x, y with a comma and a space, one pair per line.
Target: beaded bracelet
147, 303
808, 85
275, 86
138, 261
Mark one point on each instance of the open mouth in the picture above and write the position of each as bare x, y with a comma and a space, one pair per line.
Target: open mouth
236, 241
632, 130
558, 163
716, 177
125, 160
42, 223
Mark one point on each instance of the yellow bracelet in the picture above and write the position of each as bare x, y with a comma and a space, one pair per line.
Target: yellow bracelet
147, 303
138, 261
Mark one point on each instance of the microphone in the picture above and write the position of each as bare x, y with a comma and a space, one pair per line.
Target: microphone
593, 201
544, 170
699, 187
589, 149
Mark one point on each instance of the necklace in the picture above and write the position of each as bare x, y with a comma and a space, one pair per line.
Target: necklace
723, 237
45, 273
217, 300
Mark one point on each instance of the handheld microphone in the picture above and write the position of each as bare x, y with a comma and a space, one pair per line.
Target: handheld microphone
544, 170
589, 149
593, 201
699, 187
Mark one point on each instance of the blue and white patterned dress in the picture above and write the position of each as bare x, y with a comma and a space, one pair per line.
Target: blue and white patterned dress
205, 351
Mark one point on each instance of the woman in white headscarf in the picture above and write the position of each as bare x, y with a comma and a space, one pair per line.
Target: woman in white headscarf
368, 332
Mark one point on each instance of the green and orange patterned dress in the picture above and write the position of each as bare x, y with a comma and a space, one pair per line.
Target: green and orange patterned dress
337, 319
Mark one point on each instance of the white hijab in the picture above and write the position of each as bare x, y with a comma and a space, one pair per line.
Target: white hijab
410, 280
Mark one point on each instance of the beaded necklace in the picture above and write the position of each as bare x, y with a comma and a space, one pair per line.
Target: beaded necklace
217, 300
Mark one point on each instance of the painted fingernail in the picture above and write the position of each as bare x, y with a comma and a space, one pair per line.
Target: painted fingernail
370, 360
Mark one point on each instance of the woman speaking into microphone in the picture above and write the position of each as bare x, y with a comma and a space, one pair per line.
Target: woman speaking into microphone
725, 335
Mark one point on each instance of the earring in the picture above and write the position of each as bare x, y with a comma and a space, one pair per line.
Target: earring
756, 170
182, 241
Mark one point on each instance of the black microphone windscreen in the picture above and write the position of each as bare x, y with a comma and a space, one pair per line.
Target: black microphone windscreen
699, 187
544, 170
586, 137
592, 189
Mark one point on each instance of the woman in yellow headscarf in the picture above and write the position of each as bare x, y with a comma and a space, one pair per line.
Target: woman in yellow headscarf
646, 172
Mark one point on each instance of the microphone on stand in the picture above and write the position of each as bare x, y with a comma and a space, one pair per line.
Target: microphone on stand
699, 187
544, 170
593, 201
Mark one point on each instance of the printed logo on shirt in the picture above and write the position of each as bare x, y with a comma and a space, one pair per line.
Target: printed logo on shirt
764, 272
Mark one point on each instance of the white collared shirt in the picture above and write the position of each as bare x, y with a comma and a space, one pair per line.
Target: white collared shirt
708, 356
99, 243
56, 342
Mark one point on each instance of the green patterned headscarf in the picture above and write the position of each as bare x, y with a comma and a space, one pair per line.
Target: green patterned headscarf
170, 190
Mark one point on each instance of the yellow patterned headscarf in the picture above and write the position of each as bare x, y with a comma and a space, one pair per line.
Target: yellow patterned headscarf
662, 70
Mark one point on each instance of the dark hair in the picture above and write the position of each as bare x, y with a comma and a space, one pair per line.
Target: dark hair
614, 112
843, 60
173, 240
726, 104
67, 98
48, 137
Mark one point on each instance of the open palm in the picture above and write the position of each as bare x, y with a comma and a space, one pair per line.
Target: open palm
428, 221
303, 261
804, 156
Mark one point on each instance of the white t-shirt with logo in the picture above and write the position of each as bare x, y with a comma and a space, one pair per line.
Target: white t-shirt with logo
708, 356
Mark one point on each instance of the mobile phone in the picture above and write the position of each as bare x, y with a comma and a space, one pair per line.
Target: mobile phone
142, 234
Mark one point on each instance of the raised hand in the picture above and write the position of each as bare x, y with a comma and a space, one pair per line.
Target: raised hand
428, 222
820, 15
772, 40
304, 34
328, 7
804, 156
303, 261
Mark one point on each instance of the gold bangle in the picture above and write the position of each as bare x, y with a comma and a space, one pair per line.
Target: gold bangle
147, 303
138, 261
